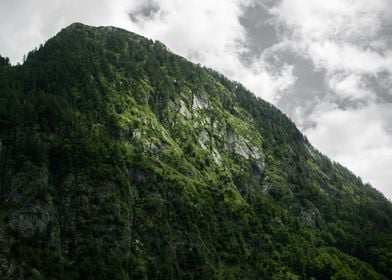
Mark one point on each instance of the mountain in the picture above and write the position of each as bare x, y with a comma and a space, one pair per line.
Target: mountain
122, 160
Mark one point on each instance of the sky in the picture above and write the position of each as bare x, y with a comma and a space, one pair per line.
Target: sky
326, 64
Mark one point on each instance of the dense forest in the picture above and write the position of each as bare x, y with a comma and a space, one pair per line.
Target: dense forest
122, 160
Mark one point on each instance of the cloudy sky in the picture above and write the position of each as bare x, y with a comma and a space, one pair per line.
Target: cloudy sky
326, 64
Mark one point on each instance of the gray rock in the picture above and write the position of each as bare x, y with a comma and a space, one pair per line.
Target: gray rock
32, 218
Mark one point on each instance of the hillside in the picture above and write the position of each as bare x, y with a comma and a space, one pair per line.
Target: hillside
122, 160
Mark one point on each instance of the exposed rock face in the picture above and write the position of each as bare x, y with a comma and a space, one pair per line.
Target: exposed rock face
230, 137
198, 103
184, 110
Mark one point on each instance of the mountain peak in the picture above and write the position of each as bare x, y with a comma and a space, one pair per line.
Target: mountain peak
78, 25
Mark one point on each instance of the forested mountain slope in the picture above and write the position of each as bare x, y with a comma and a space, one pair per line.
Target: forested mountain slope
121, 160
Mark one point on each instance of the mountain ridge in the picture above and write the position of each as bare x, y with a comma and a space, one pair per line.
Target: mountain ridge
119, 153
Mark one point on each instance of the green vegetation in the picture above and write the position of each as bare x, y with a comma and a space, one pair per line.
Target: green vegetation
121, 160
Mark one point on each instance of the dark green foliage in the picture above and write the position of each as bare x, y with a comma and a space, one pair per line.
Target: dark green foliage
121, 160
4, 61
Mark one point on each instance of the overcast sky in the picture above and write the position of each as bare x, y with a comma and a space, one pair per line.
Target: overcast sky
326, 64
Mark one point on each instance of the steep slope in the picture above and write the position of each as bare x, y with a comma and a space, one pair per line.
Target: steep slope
121, 160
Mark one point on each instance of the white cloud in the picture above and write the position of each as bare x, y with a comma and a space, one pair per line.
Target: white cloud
357, 139
339, 34
347, 57
351, 86
333, 19
269, 83
208, 28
